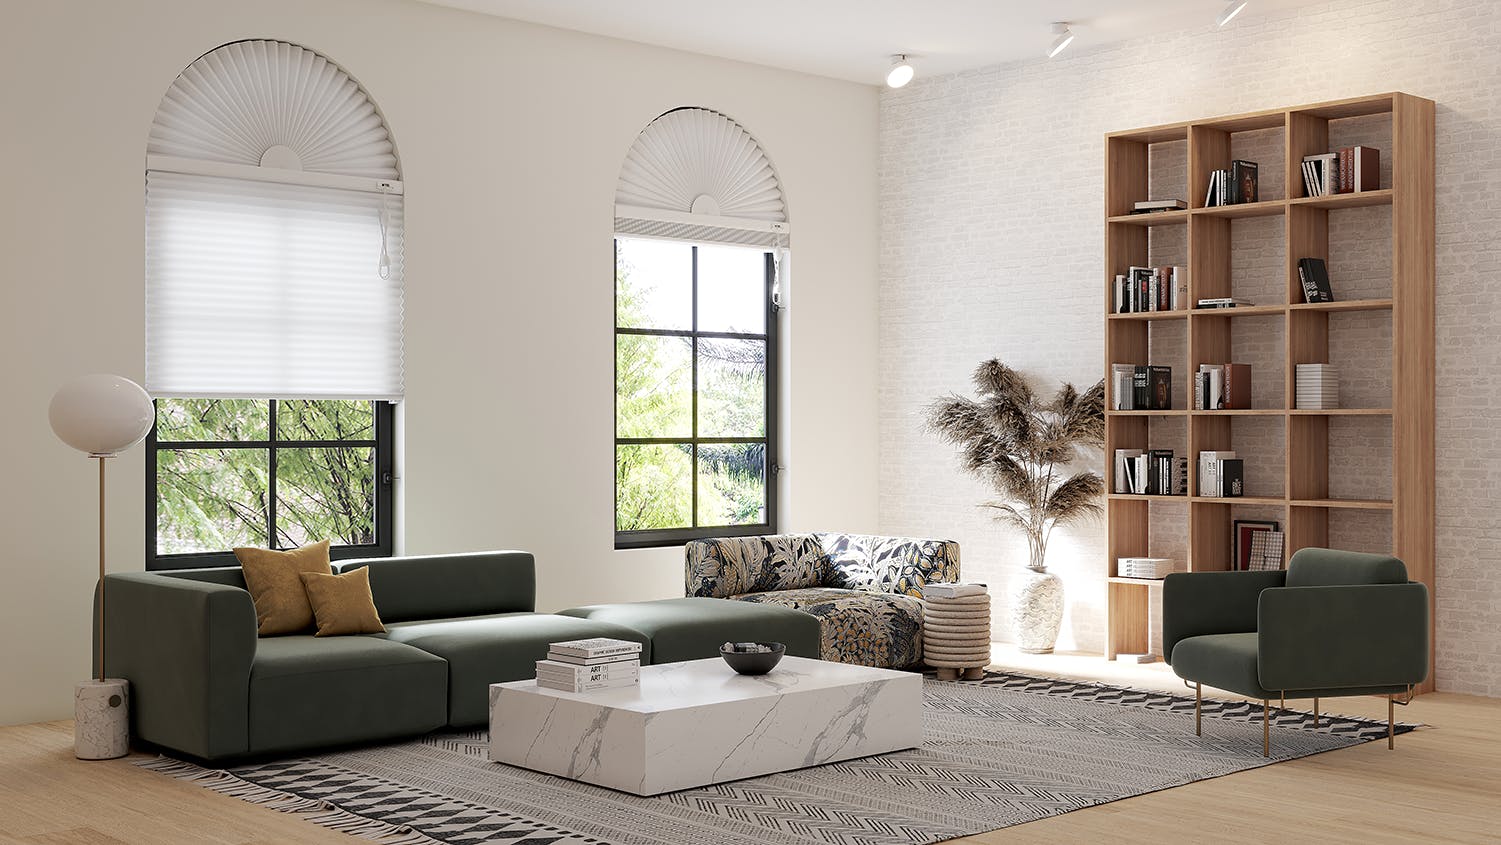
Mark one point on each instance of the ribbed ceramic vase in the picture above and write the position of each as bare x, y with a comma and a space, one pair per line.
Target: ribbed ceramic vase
1036, 610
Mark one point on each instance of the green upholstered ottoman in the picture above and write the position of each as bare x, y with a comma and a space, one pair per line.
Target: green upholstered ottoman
694, 628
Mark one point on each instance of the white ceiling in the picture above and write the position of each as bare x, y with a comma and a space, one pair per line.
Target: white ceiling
854, 39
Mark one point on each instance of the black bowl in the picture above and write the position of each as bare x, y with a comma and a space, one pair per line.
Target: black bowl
754, 662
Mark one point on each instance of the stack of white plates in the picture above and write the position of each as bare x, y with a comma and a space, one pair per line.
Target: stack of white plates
1317, 387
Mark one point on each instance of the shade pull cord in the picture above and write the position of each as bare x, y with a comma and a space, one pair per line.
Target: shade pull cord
384, 268
779, 244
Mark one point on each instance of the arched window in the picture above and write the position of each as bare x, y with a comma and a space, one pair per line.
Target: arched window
273, 308
700, 247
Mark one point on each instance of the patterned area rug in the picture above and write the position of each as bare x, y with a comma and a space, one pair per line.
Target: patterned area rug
997, 752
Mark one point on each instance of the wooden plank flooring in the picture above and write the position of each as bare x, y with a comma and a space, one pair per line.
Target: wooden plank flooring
1442, 784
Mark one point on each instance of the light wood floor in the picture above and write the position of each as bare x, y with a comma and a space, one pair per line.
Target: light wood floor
1442, 784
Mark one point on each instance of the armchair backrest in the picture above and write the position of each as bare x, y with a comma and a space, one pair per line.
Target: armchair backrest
1333, 568
888, 564
721, 567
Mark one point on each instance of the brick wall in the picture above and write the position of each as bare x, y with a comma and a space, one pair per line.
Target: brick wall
991, 207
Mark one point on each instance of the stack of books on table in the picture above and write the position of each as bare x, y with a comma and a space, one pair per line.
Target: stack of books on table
947, 590
1153, 568
1317, 387
588, 665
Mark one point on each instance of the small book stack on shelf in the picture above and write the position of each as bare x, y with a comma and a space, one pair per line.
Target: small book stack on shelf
1154, 206
1345, 171
1314, 277
1222, 387
1152, 472
1221, 475
1152, 568
587, 665
1146, 289
1139, 387
1222, 302
1238, 183
1266, 550
1317, 387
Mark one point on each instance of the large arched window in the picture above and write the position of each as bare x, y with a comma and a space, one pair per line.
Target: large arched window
700, 241
273, 308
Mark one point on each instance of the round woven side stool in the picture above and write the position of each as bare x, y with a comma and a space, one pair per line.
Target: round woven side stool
956, 636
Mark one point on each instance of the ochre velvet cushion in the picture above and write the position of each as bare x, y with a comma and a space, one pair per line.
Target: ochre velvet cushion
342, 604
273, 579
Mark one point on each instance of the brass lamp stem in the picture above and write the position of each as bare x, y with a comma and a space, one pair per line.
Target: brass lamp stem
100, 619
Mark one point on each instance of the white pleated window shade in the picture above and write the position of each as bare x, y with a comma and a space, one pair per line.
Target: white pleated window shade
261, 289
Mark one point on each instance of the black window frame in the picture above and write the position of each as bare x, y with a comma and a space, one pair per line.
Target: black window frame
661, 537
383, 444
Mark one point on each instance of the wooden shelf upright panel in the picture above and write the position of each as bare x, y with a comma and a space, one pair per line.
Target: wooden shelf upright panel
1307, 504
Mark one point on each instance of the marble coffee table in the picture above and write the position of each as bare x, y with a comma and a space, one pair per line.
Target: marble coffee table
696, 723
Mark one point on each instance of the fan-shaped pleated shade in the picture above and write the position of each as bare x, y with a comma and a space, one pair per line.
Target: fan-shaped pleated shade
688, 153
236, 102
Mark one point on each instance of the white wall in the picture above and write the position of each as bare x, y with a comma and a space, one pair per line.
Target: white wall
991, 196
511, 137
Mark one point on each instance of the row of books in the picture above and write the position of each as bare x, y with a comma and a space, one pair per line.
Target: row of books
1221, 474
1155, 472
588, 665
1222, 386
1145, 289
1344, 171
1139, 387
1153, 568
1238, 183
1316, 387
1314, 277
1154, 206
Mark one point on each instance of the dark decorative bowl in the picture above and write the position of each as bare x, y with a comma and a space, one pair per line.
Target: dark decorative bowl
752, 662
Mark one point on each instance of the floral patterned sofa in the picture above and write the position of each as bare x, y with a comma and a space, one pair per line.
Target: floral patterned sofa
866, 591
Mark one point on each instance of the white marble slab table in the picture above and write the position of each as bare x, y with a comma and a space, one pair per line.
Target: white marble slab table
696, 723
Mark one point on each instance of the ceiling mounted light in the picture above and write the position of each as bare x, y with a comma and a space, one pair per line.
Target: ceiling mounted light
901, 71
1231, 11
1065, 37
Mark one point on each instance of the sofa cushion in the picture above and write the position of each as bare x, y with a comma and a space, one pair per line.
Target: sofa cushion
694, 628
306, 691
342, 604
1312, 567
887, 564
725, 566
1223, 661
438, 586
485, 650
281, 603
858, 626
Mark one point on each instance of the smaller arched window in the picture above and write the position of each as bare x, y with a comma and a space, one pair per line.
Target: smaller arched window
700, 248
274, 286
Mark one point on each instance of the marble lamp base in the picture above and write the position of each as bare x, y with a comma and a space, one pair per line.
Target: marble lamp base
101, 719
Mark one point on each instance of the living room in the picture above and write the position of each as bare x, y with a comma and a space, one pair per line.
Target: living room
922, 231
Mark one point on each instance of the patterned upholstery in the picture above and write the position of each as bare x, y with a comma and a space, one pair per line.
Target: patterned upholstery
863, 589
858, 626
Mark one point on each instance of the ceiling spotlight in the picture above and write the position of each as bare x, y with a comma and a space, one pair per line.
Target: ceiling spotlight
1231, 11
1065, 37
901, 71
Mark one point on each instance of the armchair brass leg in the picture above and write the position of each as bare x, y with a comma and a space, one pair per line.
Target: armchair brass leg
1315, 712
1391, 722
1282, 703
1266, 728
1198, 709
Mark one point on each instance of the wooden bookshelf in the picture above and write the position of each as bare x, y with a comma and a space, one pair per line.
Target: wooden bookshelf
1305, 506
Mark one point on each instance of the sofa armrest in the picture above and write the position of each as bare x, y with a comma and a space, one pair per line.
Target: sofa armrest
1198, 603
186, 647
1359, 635
439, 586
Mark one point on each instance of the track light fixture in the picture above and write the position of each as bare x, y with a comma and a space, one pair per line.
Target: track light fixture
1231, 11
1065, 37
901, 71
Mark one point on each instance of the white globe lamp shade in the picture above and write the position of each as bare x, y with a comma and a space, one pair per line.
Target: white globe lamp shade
101, 414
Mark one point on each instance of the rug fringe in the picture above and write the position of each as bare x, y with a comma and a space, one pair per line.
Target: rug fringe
321, 813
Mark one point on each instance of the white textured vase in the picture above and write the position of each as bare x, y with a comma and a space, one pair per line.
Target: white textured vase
101, 719
1036, 610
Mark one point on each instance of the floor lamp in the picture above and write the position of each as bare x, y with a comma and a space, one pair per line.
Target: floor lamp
102, 416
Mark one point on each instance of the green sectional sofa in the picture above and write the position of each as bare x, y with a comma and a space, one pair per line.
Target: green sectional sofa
204, 685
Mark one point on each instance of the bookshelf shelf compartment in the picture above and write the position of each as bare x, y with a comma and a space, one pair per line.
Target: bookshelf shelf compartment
1141, 582
1328, 476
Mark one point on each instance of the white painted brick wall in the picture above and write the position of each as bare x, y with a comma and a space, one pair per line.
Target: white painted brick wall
991, 208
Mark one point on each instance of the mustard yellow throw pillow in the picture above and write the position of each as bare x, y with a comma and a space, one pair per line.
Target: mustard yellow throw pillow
281, 604
342, 603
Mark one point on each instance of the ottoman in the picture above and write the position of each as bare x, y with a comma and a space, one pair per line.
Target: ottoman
694, 628
956, 636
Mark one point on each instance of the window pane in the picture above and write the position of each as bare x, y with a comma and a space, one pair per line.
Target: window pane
653, 386
653, 487
210, 500
731, 289
212, 419
731, 388
325, 419
653, 284
325, 494
732, 484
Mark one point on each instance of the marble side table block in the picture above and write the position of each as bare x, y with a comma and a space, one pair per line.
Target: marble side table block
696, 723
101, 719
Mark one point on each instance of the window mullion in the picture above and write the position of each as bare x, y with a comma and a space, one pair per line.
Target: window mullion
271, 479
693, 450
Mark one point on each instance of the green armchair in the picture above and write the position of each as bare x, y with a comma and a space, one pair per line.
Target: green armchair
1333, 623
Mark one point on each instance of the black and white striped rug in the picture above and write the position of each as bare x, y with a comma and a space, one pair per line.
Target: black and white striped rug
997, 752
